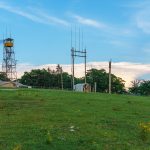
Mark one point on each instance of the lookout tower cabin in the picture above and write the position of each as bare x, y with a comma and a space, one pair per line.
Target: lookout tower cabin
9, 42
83, 87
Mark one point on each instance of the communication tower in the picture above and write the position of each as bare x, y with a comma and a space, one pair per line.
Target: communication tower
78, 52
9, 61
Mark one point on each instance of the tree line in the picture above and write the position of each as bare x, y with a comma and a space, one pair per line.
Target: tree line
56, 79
47, 78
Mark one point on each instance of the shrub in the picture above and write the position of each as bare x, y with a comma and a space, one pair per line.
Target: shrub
144, 131
49, 138
17, 147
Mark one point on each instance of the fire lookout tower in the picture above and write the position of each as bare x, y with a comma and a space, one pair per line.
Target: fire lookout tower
9, 61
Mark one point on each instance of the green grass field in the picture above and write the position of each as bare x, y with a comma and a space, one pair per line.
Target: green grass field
55, 120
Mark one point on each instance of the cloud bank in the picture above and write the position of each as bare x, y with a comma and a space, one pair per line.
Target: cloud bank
126, 70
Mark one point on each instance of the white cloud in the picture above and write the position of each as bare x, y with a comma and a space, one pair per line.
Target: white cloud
41, 17
143, 20
108, 29
89, 22
50, 19
126, 70
141, 15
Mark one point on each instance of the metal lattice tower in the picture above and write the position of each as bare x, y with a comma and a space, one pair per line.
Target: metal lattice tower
9, 61
78, 52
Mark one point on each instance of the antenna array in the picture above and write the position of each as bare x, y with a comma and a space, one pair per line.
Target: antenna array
77, 52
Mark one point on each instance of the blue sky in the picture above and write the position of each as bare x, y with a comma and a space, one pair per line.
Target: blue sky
113, 29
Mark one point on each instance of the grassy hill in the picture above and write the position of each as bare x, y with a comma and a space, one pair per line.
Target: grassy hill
44, 120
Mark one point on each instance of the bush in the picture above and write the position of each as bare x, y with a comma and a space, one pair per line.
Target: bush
49, 138
144, 131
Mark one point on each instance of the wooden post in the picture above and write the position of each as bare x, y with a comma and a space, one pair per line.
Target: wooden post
109, 77
95, 87
62, 84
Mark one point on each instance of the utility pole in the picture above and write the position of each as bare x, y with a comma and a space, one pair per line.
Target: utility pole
77, 53
110, 77
85, 56
62, 84
95, 87
72, 56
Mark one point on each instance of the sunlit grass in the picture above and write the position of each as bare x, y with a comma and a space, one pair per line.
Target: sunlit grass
45, 119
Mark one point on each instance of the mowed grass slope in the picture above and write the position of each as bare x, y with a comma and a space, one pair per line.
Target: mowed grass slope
56, 120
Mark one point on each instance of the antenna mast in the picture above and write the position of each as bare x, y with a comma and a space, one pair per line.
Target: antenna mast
78, 53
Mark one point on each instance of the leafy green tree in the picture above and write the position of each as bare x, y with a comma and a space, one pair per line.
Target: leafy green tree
45, 79
140, 87
37, 78
3, 76
134, 89
101, 77
59, 76
118, 85
67, 79
144, 88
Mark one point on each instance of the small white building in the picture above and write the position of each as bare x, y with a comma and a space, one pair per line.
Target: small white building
82, 87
